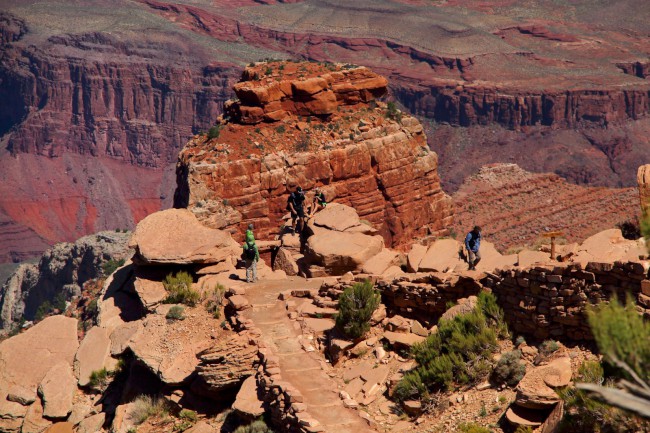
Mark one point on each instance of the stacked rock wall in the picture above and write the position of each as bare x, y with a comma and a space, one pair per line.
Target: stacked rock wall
551, 301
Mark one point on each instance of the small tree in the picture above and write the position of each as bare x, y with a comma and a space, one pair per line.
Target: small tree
356, 305
214, 132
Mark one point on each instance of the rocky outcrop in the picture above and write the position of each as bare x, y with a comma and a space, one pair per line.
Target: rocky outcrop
175, 236
643, 180
371, 158
225, 365
62, 270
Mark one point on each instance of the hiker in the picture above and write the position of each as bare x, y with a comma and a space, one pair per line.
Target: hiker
251, 255
318, 202
295, 204
472, 244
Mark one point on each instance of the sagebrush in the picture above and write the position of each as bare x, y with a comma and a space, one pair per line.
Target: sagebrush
180, 290
258, 426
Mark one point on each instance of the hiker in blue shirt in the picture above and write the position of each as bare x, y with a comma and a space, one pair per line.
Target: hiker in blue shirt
472, 244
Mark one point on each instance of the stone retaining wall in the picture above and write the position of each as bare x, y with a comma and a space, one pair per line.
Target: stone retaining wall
551, 301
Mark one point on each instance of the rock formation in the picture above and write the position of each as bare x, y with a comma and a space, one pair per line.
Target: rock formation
62, 270
643, 180
314, 125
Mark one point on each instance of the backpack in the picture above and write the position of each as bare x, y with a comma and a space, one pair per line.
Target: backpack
249, 251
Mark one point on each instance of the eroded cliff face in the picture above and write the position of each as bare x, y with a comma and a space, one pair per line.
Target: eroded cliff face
92, 125
305, 124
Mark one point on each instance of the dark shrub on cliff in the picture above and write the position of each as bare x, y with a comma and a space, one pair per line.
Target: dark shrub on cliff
356, 305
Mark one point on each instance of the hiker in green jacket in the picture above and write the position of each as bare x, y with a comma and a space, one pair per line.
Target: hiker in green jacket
251, 255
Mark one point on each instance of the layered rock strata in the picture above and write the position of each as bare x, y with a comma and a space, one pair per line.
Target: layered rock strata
314, 125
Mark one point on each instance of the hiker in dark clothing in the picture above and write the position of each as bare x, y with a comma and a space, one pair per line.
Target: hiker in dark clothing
472, 244
318, 202
251, 255
296, 204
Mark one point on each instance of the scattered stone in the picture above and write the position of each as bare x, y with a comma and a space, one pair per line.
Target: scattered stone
401, 339
412, 407
418, 329
151, 293
239, 302
465, 305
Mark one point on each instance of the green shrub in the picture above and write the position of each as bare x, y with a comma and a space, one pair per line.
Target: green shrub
110, 266
188, 415
176, 313
459, 353
214, 132
509, 369
214, 301
280, 129
258, 426
524, 429
392, 112
470, 427
92, 308
548, 346
180, 290
356, 305
621, 333
43, 310
145, 406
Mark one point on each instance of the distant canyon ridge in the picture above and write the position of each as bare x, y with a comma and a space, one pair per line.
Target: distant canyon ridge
98, 99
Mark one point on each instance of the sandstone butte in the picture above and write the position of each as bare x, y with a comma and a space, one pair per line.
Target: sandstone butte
312, 125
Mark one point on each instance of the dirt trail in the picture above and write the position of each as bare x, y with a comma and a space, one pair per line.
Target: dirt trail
305, 371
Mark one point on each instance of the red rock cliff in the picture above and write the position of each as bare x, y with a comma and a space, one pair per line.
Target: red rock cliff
314, 125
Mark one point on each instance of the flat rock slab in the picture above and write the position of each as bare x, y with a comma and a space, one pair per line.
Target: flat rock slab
535, 390
319, 325
378, 264
415, 256
175, 236
151, 293
338, 217
92, 355
34, 421
92, 424
517, 415
247, 402
60, 427
57, 389
342, 251
442, 256
401, 339
528, 258
27, 357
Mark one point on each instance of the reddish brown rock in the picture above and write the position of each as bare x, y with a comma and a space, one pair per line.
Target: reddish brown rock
536, 389
379, 166
643, 180
92, 355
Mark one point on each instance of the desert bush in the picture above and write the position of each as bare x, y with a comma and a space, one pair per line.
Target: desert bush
145, 406
548, 347
176, 312
470, 427
214, 301
258, 426
280, 129
524, 429
110, 266
459, 353
356, 305
630, 229
188, 415
99, 379
180, 289
509, 369
214, 132
393, 113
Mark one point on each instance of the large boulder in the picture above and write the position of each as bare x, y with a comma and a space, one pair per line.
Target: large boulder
57, 389
248, 404
537, 389
609, 246
169, 350
340, 217
340, 252
92, 355
442, 256
34, 421
26, 358
175, 236
380, 263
